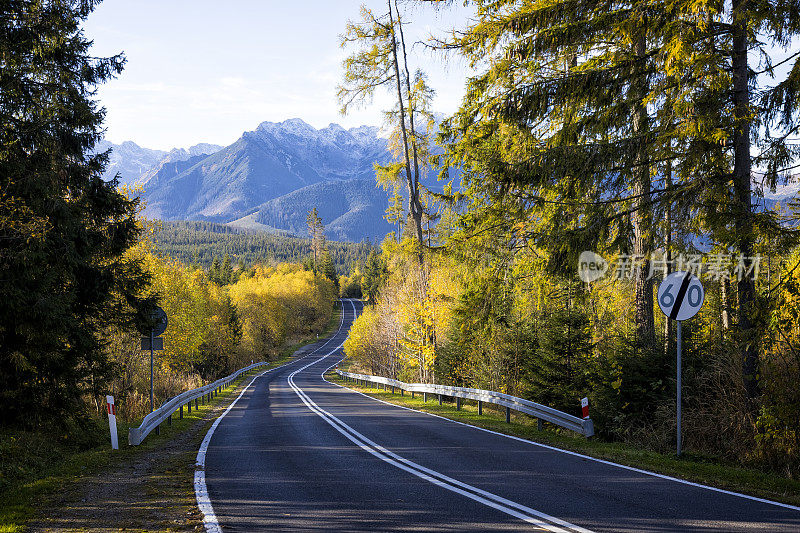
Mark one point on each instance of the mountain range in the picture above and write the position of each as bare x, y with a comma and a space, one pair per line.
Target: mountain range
268, 179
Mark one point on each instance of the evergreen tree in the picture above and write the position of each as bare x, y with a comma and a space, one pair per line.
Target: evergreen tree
63, 230
308, 263
559, 372
328, 270
214, 273
226, 271
375, 273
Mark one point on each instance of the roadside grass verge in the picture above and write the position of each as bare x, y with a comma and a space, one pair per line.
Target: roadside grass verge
34, 465
49, 470
691, 467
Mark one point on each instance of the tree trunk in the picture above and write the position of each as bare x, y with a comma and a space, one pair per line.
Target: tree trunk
668, 252
724, 291
743, 208
642, 215
412, 190
417, 213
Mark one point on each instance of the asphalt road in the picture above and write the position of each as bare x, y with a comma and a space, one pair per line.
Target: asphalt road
297, 453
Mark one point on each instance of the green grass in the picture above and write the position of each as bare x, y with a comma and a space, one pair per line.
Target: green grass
688, 466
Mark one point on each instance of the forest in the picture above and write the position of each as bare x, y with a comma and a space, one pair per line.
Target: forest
643, 136
199, 243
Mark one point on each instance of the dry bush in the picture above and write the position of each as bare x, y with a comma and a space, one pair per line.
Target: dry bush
716, 417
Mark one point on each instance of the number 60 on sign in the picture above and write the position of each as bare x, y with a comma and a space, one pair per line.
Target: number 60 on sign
681, 296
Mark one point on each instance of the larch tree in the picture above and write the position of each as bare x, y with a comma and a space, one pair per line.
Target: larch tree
381, 61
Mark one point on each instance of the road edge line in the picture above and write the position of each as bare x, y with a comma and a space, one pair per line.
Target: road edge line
577, 454
210, 522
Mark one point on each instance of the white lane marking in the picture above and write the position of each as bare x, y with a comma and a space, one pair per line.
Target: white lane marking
210, 521
489, 499
575, 454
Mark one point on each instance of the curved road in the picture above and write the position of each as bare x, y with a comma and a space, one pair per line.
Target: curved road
296, 453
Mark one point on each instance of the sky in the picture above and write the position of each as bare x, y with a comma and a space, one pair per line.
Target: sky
206, 71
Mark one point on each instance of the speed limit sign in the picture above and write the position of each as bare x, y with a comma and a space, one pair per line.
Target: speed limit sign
681, 296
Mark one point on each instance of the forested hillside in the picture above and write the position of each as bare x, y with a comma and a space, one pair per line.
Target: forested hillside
199, 243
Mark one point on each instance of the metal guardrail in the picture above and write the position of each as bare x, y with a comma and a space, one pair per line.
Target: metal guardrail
584, 426
154, 419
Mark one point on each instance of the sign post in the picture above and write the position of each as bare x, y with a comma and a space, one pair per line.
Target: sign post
112, 422
158, 325
680, 297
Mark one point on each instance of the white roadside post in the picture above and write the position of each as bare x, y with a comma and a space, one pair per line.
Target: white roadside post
112, 422
680, 297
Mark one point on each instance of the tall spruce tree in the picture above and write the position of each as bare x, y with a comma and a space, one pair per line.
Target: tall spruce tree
63, 230
316, 230
558, 125
328, 270
226, 271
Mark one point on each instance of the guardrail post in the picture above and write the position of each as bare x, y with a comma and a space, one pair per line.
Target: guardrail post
195, 404
458, 404
440, 399
539, 424
412, 394
169, 420
189, 407
402, 392
425, 397
508, 415
480, 407
392, 389
181, 412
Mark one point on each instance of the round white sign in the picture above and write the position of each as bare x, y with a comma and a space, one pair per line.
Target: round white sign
681, 295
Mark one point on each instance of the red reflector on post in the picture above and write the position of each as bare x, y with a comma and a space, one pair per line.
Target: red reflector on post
585, 407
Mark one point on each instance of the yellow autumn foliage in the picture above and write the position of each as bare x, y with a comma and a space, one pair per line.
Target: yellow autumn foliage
276, 303
214, 329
